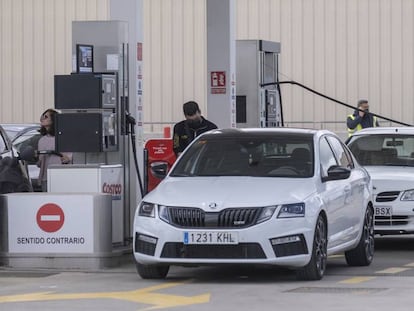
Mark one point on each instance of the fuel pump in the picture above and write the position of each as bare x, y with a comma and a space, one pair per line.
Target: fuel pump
90, 102
257, 104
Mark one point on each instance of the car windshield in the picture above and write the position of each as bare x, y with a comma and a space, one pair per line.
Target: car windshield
30, 138
391, 149
11, 132
259, 156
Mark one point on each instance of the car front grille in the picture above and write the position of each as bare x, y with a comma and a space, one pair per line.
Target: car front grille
391, 220
239, 251
188, 217
387, 196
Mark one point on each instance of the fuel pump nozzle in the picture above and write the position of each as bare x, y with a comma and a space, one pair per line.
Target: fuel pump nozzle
130, 120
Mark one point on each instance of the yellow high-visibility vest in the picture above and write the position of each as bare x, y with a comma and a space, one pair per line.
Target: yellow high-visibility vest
359, 126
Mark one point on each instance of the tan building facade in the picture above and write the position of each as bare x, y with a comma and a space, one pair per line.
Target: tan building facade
346, 49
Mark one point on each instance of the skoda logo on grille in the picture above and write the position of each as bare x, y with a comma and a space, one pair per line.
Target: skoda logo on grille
212, 205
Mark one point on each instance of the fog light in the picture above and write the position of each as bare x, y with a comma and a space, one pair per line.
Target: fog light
286, 239
291, 245
148, 239
145, 244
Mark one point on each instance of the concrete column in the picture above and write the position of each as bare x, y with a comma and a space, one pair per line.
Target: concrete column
221, 63
131, 11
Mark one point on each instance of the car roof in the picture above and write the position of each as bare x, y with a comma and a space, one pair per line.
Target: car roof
404, 130
13, 130
265, 131
231, 133
17, 127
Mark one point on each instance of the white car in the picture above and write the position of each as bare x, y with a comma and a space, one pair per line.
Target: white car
388, 155
284, 197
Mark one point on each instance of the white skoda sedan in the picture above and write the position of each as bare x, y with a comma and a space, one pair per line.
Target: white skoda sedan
284, 197
388, 156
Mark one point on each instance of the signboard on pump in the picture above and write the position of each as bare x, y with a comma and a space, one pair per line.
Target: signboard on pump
159, 151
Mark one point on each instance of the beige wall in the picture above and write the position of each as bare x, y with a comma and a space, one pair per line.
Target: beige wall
35, 44
174, 58
346, 49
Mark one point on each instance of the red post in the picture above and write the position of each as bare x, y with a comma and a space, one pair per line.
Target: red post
167, 132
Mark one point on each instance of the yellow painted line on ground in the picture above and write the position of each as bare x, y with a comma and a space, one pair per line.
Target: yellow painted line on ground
409, 264
357, 279
392, 270
143, 296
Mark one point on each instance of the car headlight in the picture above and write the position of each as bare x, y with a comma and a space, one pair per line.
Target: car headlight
266, 213
163, 213
146, 209
408, 195
292, 210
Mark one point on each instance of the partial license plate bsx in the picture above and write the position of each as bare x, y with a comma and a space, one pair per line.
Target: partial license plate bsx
210, 237
383, 211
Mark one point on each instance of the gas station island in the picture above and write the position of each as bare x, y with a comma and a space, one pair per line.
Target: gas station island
85, 219
56, 230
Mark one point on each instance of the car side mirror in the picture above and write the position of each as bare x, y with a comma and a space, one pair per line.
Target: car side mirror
159, 169
27, 154
336, 172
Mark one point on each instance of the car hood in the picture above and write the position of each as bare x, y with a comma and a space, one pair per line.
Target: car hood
224, 192
391, 178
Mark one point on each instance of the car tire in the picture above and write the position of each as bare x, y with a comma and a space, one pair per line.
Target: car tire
152, 271
316, 267
363, 254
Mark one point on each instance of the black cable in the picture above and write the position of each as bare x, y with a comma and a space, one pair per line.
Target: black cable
333, 99
131, 121
280, 94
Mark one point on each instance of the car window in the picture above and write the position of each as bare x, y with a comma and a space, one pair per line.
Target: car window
269, 156
3, 145
340, 152
383, 149
349, 156
327, 156
29, 138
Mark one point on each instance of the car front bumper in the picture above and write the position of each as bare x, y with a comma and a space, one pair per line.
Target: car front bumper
157, 242
399, 220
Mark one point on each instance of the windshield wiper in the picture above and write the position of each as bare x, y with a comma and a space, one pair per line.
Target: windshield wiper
181, 175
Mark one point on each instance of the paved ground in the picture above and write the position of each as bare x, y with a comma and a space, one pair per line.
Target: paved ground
388, 284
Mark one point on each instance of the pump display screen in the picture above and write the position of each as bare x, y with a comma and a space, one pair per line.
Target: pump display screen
78, 91
84, 58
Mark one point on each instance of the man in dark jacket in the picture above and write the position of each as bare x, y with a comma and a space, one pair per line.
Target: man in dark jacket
193, 125
361, 119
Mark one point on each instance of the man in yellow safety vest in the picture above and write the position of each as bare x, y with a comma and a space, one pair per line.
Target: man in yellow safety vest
361, 119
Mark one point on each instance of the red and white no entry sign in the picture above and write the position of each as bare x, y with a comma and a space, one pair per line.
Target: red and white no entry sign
50, 217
